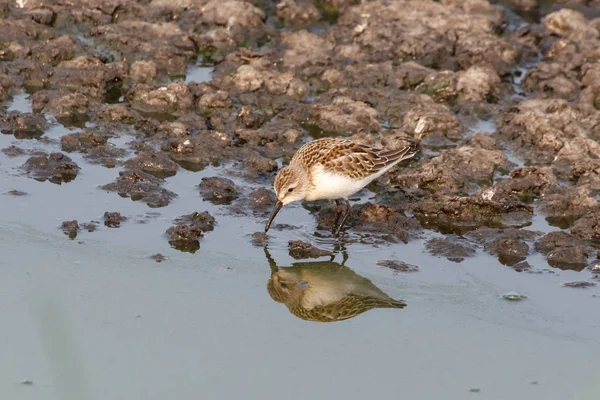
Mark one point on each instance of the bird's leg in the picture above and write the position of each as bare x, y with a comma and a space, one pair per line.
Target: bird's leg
344, 218
338, 212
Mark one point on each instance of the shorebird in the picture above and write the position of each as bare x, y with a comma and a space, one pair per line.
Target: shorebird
325, 291
333, 169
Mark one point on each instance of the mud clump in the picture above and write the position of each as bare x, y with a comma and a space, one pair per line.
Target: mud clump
13, 151
588, 226
70, 228
174, 99
398, 266
564, 251
16, 193
454, 249
509, 245
462, 214
194, 153
185, 235
380, 221
259, 201
139, 185
82, 141
158, 257
23, 126
113, 219
579, 284
157, 164
300, 250
220, 191
457, 171
54, 167
260, 239
95, 147
296, 13
256, 167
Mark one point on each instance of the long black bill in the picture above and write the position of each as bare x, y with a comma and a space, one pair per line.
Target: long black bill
275, 211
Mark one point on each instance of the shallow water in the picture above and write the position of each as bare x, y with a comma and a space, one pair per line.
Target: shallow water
96, 315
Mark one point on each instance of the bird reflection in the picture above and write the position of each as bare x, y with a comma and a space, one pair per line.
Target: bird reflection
325, 291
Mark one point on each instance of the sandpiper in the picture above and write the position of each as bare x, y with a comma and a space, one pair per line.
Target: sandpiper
325, 291
334, 169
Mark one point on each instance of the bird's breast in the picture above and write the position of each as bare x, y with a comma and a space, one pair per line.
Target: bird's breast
329, 185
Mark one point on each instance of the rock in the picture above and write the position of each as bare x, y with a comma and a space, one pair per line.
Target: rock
398, 266
113, 219
453, 249
217, 190
139, 185
300, 250
70, 228
157, 164
54, 167
185, 235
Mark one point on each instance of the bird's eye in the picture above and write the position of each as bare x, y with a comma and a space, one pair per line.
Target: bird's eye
283, 285
290, 190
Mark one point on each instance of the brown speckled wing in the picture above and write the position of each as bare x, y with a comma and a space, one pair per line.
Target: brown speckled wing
352, 159
347, 307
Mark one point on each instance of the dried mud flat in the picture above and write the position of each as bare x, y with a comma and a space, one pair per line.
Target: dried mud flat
504, 99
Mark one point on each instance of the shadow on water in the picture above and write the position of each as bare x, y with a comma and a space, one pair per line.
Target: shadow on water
325, 291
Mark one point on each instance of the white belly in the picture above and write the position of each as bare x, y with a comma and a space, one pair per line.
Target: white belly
334, 186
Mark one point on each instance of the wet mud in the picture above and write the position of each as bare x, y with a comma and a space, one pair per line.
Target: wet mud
503, 98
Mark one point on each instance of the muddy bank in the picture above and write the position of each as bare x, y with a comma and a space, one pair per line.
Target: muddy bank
503, 99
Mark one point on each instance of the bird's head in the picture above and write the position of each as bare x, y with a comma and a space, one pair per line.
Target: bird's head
291, 184
285, 287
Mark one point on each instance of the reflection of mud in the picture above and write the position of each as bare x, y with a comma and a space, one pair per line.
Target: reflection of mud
325, 291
